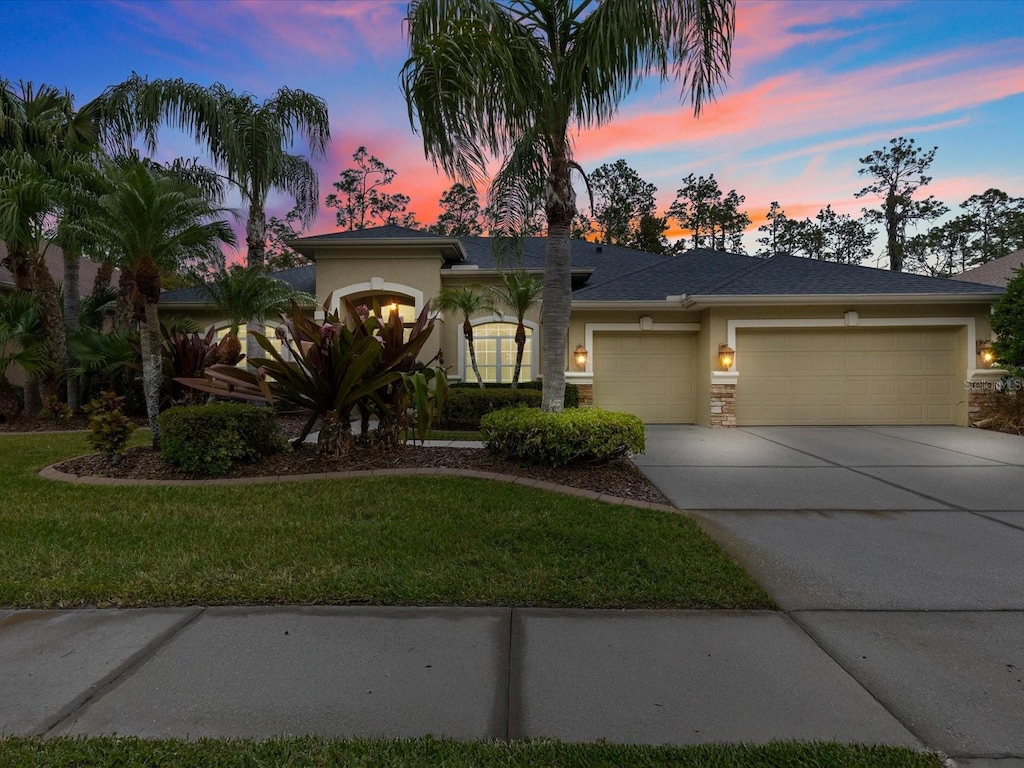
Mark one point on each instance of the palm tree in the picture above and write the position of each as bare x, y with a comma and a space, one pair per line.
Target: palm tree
21, 344
520, 292
468, 302
249, 140
510, 78
150, 220
244, 294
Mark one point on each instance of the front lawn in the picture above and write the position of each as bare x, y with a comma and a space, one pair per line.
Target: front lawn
428, 753
388, 541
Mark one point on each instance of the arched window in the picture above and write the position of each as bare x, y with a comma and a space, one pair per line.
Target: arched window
267, 330
495, 344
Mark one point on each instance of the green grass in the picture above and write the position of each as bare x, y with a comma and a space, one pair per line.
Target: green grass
417, 540
429, 753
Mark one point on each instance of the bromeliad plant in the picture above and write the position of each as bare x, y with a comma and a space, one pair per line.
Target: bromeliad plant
339, 367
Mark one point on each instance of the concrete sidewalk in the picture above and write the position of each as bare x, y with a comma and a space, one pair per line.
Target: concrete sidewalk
678, 677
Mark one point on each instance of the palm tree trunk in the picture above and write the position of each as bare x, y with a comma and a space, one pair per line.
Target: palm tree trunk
467, 331
52, 315
104, 274
560, 207
20, 264
124, 313
256, 245
72, 310
152, 368
520, 349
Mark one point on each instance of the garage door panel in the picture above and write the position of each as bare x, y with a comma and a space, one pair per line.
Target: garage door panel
651, 375
858, 376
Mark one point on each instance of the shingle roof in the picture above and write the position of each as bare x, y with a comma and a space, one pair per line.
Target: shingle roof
624, 274
390, 232
792, 275
998, 272
299, 278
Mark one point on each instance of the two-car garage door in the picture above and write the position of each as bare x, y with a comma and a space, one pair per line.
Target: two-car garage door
902, 375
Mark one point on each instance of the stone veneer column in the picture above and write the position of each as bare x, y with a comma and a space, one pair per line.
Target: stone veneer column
723, 405
586, 395
981, 387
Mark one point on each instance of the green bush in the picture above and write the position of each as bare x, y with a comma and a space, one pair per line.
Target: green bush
531, 436
572, 392
467, 405
208, 439
110, 428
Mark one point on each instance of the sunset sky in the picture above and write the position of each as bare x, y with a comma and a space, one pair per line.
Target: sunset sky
815, 85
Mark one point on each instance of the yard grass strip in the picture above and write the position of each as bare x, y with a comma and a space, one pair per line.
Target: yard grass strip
416, 540
429, 753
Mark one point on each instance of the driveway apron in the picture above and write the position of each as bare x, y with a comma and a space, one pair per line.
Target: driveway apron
897, 549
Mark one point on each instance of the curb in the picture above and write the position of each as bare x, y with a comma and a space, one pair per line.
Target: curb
51, 473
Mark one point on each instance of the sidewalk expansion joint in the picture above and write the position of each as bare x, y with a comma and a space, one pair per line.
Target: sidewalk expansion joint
125, 668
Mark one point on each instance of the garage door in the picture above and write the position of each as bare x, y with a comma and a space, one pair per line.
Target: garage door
847, 376
651, 375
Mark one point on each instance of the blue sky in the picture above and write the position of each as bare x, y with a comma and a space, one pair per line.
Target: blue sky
814, 86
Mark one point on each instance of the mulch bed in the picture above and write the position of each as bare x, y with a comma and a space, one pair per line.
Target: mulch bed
619, 478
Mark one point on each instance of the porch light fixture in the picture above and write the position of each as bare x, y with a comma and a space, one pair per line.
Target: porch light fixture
726, 356
986, 352
580, 356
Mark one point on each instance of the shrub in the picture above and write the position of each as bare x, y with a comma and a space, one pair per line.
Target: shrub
1003, 410
532, 436
110, 428
55, 410
208, 439
572, 392
467, 405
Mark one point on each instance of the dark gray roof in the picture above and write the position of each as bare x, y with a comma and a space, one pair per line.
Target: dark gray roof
792, 275
614, 273
605, 262
299, 278
694, 272
390, 232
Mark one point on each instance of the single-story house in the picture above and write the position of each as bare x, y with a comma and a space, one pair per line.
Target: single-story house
996, 272
706, 337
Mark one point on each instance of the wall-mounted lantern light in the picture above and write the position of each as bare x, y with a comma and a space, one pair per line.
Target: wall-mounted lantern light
986, 352
726, 356
580, 357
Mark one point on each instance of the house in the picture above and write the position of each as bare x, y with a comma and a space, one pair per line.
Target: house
709, 338
996, 272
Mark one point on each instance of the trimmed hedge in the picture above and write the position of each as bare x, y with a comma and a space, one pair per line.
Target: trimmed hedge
467, 405
572, 392
208, 439
590, 435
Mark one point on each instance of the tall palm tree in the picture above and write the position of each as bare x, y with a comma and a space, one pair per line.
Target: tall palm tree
151, 220
244, 294
510, 78
21, 344
520, 292
248, 139
467, 302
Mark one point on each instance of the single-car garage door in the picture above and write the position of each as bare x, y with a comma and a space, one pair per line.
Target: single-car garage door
847, 376
651, 375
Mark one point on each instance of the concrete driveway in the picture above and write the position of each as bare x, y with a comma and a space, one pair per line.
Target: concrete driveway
899, 550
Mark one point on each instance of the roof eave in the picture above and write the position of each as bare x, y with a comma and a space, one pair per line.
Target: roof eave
699, 302
449, 246
669, 302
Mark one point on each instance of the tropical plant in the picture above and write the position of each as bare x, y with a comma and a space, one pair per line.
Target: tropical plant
520, 292
467, 302
188, 355
246, 294
334, 368
249, 139
21, 344
147, 218
105, 359
109, 427
488, 78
